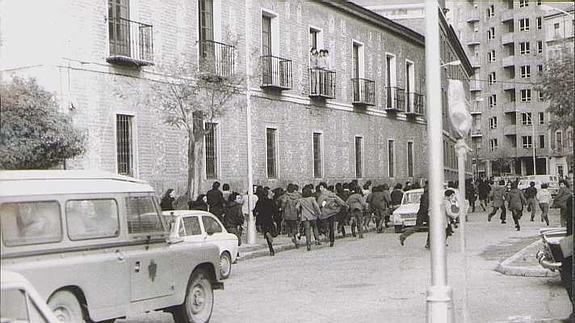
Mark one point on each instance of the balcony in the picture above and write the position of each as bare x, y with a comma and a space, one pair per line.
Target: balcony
475, 85
363, 91
510, 130
473, 16
321, 83
474, 40
276, 73
509, 108
395, 99
131, 43
476, 133
508, 86
475, 62
216, 60
507, 15
414, 104
507, 38
508, 61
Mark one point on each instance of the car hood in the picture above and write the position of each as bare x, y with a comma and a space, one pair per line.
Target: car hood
407, 208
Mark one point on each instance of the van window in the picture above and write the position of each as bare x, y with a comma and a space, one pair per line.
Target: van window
27, 223
211, 225
142, 215
192, 225
92, 219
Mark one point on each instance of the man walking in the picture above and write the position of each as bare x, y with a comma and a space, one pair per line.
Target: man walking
483, 190
530, 195
498, 197
288, 202
330, 205
516, 200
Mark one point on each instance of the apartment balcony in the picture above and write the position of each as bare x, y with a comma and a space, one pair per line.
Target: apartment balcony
321, 83
395, 99
509, 108
527, 151
476, 133
131, 43
506, 15
560, 151
473, 16
475, 85
415, 105
508, 86
510, 130
508, 61
217, 60
507, 38
474, 40
363, 91
475, 62
276, 73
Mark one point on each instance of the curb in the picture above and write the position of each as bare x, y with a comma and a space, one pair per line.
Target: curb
506, 269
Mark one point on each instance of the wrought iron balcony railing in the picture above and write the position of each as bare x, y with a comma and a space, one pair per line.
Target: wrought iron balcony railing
321, 83
217, 59
363, 91
395, 99
131, 42
414, 104
276, 72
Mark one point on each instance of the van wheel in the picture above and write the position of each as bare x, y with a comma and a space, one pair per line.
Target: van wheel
225, 265
66, 307
398, 228
199, 301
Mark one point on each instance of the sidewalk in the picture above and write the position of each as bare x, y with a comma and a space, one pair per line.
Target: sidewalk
524, 263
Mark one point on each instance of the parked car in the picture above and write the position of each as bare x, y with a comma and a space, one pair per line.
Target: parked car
20, 302
406, 214
198, 227
96, 247
551, 180
550, 255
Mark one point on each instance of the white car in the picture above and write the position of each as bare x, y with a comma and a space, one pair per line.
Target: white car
20, 302
406, 214
201, 227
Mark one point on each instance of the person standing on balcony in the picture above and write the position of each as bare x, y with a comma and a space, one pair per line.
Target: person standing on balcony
498, 197
530, 194
314, 73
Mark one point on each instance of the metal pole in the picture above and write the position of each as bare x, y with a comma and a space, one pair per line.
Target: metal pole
533, 145
251, 220
461, 149
439, 303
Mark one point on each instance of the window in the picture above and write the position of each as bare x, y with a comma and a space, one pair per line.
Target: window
491, 11
540, 69
493, 123
526, 95
27, 223
525, 71
493, 144
556, 30
539, 47
142, 215
539, 23
541, 117
356, 60
211, 145
527, 141
523, 3
409, 159
206, 10
192, 226
124, 144
491, 33
524, 24
541, 96
16, 306
271, 152
313, 38
118, 27
541, 141
492, 78
92, 219
526, 118
266, 35
538, 2
391, 158
491, 56
211, 225
390, 80
358, 157
492, 100
558, 139
317, 155
524, 48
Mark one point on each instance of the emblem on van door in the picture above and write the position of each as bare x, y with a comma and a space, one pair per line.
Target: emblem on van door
152, 267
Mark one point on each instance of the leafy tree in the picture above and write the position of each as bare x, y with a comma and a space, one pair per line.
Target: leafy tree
558, 89
33, 133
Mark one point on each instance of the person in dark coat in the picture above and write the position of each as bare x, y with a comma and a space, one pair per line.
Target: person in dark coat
567, 262
167, 202
264, 212
470, 193
199, 203
422, 220
561, 198
216, 201
498, 197
343, 215
234, 219
483, 190
530, 194
330, 205
515, 202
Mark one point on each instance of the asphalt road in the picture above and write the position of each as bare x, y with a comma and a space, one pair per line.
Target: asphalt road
377, 280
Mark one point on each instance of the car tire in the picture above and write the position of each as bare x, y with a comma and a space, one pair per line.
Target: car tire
199, 301
398, 228
225, 265
66, 306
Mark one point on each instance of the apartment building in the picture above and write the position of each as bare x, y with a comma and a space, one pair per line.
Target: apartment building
506, 43
358, 115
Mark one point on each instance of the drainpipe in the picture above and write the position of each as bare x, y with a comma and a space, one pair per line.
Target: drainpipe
251, 220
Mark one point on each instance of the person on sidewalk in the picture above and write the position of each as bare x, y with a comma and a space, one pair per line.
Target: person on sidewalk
356, 205
200, 203
544, 199
483, 190
234, 219
560, 200
288, 202
264, 211
309, 210
470, 194
515, 202
530, 195
343, 215
452, 210
167, 202
422, 220
330, 205
216, 201
498, 197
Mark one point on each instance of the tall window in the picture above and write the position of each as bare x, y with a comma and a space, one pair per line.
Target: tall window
526, 95
491, 33
541, 141
206, 19
317, 156
391, 158
355, 60
493, 123
358, 157
313, 38
558, 139
527, 141
524, 24
211, 145
524, 48
541, 95
539, 69
539, 47
124, 144
525, 71
539, 23
523, 3
491, 11
271, 152
492, 100
409, 159
492, 78
493, 144
118, 27
266, 35
541, 117
390, 77
526, 118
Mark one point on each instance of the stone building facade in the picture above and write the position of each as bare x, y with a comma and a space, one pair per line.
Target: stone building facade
362, 117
